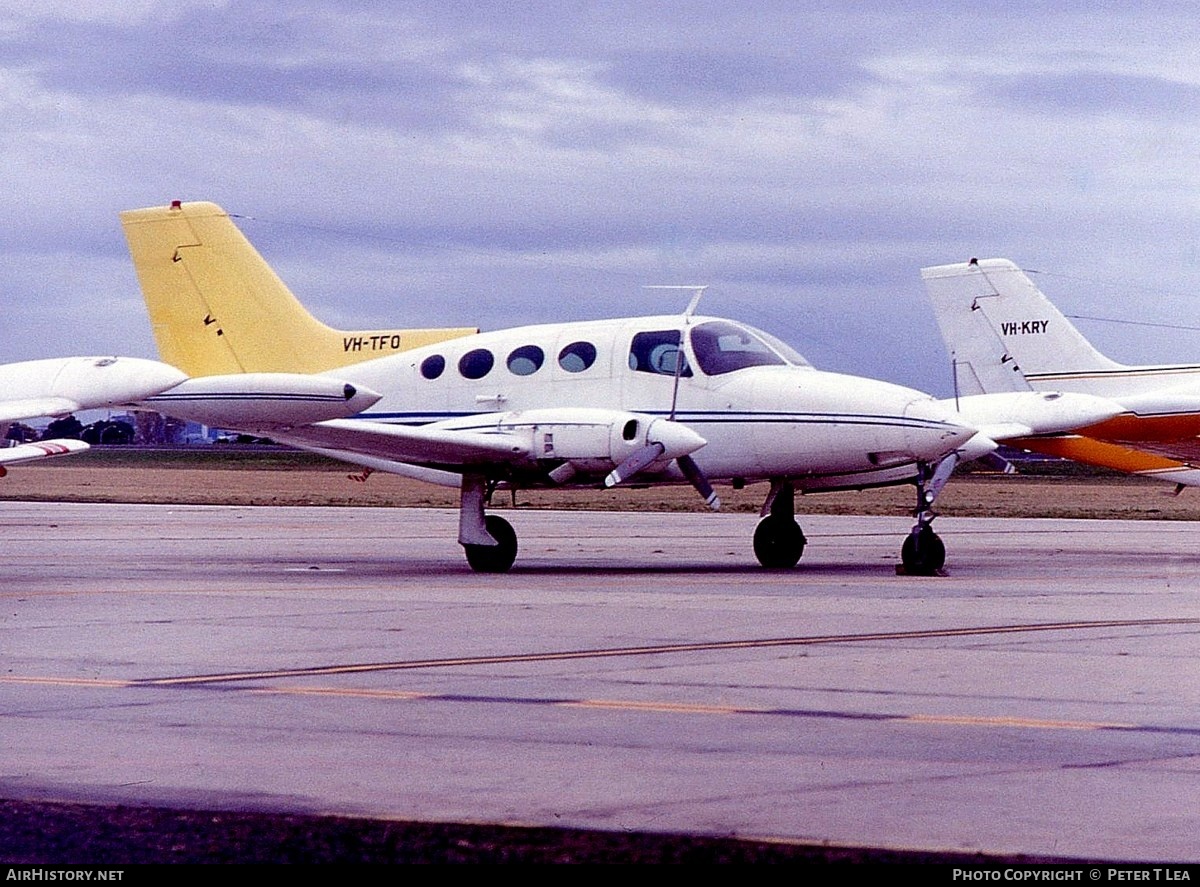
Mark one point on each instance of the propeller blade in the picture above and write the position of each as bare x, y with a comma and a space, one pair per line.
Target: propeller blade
693, 473
997, 463
634, 463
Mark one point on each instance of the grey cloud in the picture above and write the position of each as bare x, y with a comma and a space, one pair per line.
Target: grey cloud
1101, 93
202, 63
688, 78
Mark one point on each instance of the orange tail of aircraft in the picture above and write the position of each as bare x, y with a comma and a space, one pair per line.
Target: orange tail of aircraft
217, 307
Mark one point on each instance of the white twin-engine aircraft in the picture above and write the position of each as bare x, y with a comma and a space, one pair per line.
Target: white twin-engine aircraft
675, 399
63, 385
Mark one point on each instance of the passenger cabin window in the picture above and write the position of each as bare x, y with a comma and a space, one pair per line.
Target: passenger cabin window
658, 352
433, 366
577, 357
476, 364
722, 347
526, 360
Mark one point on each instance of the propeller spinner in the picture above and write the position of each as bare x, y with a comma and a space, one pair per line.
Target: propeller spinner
666, 439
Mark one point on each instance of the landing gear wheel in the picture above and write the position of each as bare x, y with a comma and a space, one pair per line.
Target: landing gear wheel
923, 552
778, 542
494, 558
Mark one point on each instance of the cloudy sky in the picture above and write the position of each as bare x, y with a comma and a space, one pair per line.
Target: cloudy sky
503, 163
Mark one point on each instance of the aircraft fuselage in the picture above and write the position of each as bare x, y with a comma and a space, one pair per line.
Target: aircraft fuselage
763, 412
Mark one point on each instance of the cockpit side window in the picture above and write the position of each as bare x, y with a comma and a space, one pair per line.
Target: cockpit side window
658, 352
722, 347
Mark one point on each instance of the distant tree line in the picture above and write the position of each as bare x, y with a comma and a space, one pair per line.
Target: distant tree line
105, 431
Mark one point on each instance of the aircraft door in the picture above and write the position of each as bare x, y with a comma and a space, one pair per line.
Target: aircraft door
654, 361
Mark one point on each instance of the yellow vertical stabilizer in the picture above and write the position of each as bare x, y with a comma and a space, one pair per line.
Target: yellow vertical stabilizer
217, 307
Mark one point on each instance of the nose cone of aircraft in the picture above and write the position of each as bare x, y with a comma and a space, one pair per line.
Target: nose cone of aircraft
934, 430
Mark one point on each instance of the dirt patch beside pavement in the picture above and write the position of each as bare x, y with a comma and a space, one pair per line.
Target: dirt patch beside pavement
298, 479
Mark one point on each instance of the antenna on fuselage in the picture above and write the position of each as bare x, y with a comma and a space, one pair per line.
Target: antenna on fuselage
697, 289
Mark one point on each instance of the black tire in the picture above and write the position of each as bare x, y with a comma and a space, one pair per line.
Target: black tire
923, 553
494, 558
778, 542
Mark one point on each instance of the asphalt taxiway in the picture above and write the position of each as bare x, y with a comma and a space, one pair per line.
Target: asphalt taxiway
633, 672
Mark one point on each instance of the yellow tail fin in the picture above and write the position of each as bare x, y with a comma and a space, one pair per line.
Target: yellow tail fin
217, 307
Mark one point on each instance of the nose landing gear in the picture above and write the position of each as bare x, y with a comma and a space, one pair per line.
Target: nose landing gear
923, 552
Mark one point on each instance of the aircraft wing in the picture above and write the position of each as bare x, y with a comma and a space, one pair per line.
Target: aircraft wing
32, 407
1152, 435
1103, 454
45, 449
427, 446
555, 444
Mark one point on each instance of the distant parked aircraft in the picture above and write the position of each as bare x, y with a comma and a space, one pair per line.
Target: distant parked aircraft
1004, 335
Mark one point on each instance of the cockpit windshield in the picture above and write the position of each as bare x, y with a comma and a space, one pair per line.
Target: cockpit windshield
783, 349
724, 347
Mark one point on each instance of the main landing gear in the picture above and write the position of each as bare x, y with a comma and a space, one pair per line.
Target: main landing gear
489, 541
778, 539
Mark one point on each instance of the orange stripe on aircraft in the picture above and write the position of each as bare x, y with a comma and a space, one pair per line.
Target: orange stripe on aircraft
1130, 427
1098, 452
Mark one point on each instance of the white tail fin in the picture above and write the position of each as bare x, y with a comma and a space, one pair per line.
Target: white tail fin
1003, 334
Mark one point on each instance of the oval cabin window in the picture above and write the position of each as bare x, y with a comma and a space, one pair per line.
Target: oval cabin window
476, 364
577, 357
433, 366
526, 360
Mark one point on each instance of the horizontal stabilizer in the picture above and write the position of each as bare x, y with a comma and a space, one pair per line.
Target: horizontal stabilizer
28, 408
1010, 415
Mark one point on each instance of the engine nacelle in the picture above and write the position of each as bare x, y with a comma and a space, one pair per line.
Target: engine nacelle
587, 440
